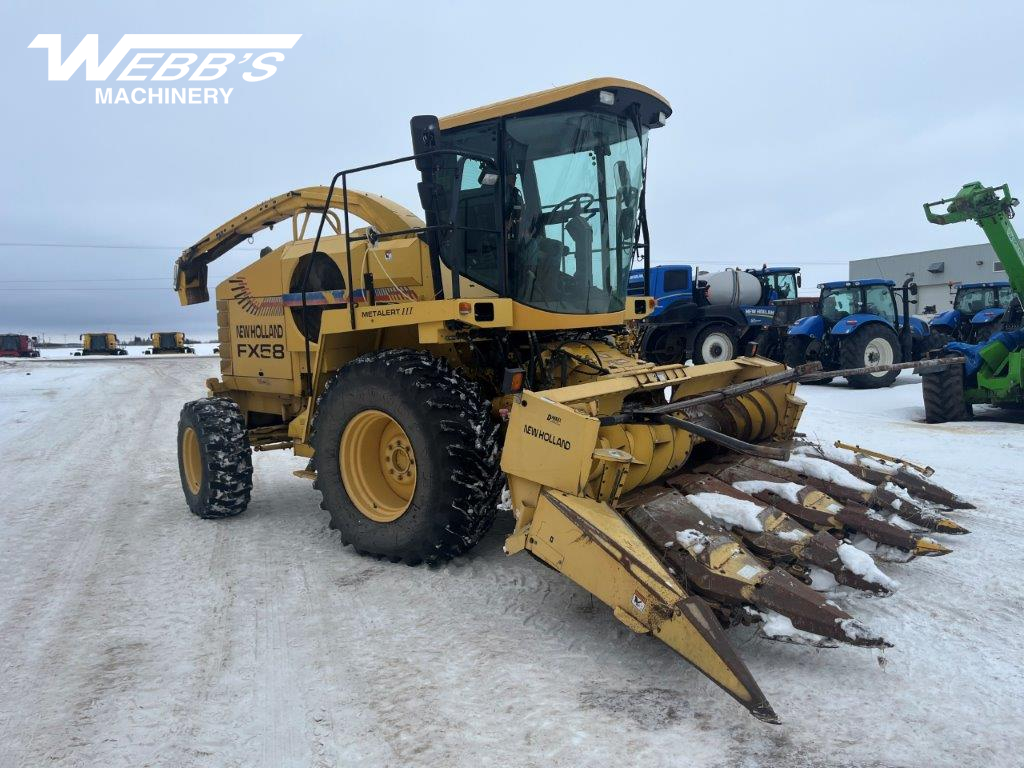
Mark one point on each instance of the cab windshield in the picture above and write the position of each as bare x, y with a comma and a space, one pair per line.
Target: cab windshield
837, 303
577, 177
568, 204
970, 301
781, 285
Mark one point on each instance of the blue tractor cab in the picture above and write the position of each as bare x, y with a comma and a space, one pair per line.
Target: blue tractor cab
780, 283
977, 312
860, 324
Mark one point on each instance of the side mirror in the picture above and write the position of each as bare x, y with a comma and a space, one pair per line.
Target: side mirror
488, 175
913, 289
799, 282
425, 131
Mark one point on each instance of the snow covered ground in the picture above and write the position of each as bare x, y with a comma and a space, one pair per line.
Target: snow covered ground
133, 634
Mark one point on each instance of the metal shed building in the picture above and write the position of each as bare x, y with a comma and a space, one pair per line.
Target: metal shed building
934, 271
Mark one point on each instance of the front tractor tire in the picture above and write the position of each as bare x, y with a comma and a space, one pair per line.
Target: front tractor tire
874, 345
406, 457
714, 344
214, 458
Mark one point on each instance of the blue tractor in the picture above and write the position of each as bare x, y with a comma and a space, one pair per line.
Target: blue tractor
977, 312
692, 321
860, 325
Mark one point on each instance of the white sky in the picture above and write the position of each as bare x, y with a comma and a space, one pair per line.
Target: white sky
803, 133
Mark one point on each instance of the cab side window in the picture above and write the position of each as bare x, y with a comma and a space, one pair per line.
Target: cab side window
676, 280
878, 300
471, 249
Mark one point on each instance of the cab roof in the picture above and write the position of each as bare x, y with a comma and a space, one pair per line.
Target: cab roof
660, 267
853, 283
993, 284
774, 270
651, 101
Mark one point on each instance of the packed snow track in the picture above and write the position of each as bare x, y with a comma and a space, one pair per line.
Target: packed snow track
135, 634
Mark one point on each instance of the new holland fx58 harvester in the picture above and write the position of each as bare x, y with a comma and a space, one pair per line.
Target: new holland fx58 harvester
168, 343
426, 366
100, 344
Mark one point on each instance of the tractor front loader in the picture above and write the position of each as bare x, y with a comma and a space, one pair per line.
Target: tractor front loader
430, 369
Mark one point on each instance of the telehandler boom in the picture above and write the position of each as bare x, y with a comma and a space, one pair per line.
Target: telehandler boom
424, 366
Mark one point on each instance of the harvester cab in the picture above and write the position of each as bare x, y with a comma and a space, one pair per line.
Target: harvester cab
993, 372
100, 344
430, 368
860, 323
168, 343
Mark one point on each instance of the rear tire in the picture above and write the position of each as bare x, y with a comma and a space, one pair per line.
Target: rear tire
943, 390
714, 344
214, 458
874, 345
446, 433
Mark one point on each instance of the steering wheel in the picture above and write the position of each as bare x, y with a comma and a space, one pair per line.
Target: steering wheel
573, 205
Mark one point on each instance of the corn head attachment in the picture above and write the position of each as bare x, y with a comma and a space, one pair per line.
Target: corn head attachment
706, 511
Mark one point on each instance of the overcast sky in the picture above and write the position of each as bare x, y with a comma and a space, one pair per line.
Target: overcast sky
803, 133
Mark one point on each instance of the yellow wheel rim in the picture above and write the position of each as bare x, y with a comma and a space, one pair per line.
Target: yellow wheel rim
378, 466
192, 460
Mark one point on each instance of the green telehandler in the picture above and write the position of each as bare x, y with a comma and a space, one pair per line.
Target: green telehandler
992, 371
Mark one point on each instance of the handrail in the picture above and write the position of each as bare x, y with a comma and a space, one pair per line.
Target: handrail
349, 239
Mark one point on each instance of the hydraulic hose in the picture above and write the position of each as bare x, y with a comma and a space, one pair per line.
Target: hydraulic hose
726, 441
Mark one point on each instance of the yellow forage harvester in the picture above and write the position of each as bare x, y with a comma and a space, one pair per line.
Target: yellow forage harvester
435, 369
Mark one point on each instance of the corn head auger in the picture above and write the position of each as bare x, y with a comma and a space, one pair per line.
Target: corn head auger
407, 358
